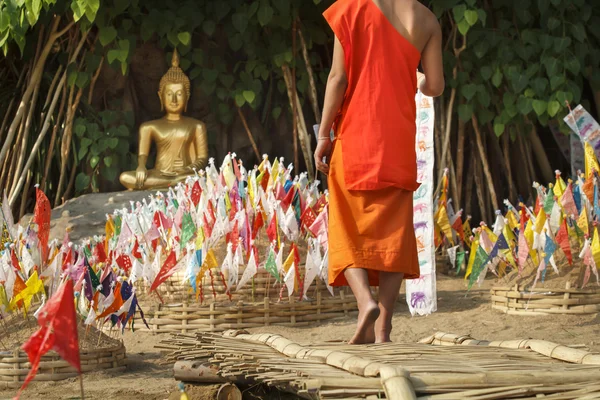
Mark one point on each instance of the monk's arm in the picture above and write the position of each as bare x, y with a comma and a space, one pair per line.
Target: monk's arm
335, 90
432, 82
144, 140
201, 146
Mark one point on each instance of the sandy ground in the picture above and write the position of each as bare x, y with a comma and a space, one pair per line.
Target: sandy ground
459, 312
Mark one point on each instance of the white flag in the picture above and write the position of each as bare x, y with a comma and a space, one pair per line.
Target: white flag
249, 272
290, 279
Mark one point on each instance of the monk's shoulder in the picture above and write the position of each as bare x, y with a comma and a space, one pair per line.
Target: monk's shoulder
429, 19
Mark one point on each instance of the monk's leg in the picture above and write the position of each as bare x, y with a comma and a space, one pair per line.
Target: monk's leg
368, 311
389, 289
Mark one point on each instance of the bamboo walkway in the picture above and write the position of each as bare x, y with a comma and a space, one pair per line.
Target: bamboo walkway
443, 366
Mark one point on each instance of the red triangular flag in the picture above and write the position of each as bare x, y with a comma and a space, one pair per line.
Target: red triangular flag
196, 193
458, 228
236, 169
15, 261
308, 218
272, 229
259, 222
264, 182
136, 250
100, 253
41, 216
287, 200
234, 236
166, 271
68, 259
562, 238
58, 332
320, 204
124, 262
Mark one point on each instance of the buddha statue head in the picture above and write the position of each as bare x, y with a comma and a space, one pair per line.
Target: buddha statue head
174, 88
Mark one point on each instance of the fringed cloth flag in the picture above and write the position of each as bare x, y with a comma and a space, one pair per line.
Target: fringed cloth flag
41, 216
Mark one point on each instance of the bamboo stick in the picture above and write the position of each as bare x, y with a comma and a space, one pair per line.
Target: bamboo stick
249, 133
484, 162
313, 96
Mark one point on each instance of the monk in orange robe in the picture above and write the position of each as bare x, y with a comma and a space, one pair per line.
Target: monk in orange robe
371, 164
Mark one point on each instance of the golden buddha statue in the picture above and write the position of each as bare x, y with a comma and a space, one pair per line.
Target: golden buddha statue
181, 143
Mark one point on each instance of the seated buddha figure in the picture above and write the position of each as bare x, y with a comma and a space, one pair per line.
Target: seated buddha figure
181, 142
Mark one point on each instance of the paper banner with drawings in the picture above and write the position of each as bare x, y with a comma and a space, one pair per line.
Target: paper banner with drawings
421, 293
587, 130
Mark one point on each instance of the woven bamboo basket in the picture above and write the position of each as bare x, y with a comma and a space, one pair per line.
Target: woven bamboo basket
519, 300
218, 316
14, 366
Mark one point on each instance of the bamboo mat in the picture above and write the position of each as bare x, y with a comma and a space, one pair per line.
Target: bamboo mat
443, 366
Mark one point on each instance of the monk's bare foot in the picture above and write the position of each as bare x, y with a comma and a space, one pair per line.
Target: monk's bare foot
365, 329
383, 336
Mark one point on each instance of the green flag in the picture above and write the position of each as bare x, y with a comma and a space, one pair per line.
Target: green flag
480, 259
187, 228
118, 223
460, 259
93, 278
271, 266
549, 202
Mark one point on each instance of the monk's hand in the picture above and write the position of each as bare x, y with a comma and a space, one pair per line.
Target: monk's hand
140, 176
322, 154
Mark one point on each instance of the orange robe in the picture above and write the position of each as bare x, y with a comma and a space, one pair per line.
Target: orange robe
373, 170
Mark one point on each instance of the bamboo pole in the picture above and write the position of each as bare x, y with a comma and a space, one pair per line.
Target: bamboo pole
295, 104
40, 138
37, 74
52, 144
460, 160
505, 151
484, 162
301, 123
249, 133
540, 155
312, 93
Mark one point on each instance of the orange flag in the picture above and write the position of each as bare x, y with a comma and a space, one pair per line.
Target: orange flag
115, 305
41, 216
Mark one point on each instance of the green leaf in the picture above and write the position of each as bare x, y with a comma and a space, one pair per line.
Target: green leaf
497, 78
222, 8
486, 72
499, 128
82, 79
79, 129
553, 108
184, 38
519, 82
112, 55
249, 96
540, 107
113, 143
524, 104
240, 22
553, 23
573, 65
556, 81
463, 27
459, 12
578, 32
209, 27
465, 112
4, 20
562, 97
469, 91
484, 98
108, 161
508, 100
210, 75
482, 16
471, 17
276, 112
82, 181
235, 42
551, 65
226, 80
265, 14
94, 161
72, 78
240, 100
543, 5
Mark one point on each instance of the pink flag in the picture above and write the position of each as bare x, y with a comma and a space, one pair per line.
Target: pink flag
568, 201
523, 250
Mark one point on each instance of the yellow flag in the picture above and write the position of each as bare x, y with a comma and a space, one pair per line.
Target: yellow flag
490, 234
199, 238
529, 233
227, 203
443, 222
250, 190
591, 162
560, 186
582, 221
33, 286
274, 173
540, 220
508, 234
596, 247
4, 299
513, 223
474, 246
509, 257
288, 262
109, 229
210, 262
467, 231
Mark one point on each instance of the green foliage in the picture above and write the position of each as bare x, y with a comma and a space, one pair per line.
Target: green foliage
102, 148
522, 63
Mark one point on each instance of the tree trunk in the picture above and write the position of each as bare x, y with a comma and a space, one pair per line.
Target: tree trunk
540, 154
312, 93
460, 159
